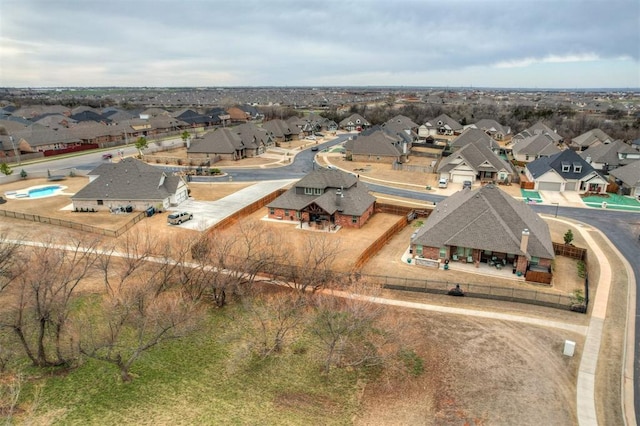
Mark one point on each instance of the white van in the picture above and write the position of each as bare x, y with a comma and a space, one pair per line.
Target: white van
442, 183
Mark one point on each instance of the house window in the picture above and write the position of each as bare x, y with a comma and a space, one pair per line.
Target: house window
100, 202
419, 250
299, 215
535, 260
286, 212
354, 219
272, 211
526, 157
308, 191
468, 251
443, 252
577, 168
565, 167
317, 191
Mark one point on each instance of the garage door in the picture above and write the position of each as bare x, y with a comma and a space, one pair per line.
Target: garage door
570, 186
181, 196
549, 186
458, 178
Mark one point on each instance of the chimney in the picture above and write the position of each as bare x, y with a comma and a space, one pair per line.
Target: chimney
524, 242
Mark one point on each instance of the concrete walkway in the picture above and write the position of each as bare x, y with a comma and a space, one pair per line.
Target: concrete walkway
208, 213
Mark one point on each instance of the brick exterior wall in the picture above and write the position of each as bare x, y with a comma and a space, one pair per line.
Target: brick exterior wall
140, 205
344, 221
521, 264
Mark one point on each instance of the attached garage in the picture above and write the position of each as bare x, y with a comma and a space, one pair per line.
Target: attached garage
570, 186
460, 178
549, 186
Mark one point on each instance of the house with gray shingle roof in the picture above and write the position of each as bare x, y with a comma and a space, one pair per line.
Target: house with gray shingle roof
282, 132
628, 177
565, 171
325, 198
256, 139
400, 123
378, 145
130, 182
538, 129
485, 225
441, 125
609, 156
220, 144
355, 122
587, 139
471, 135
492, 128
475, 161
533, 147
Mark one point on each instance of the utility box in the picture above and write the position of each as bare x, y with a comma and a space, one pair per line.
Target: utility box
569, 348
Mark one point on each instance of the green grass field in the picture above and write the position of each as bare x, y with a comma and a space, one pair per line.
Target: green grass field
205, 378
614, 202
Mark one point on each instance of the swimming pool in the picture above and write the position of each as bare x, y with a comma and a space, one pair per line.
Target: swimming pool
44, 191
36, 192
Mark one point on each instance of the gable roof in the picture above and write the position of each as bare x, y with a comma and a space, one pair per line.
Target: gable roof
538, 145
220, 141
253, 136
376, 142
354, 120
538, 129
629, 174
443, 120
590, 137
280, 128
543, 164
477, 156
400, 123
492, 126
341, 192
607, 153
487, 219
472, 135
129, 179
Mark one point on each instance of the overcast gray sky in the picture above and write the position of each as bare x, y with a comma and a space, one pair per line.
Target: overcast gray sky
479, 43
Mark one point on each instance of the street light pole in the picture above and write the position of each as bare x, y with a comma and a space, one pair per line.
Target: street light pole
557, 205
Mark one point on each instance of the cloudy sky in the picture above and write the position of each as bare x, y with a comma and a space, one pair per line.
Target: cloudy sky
479, 43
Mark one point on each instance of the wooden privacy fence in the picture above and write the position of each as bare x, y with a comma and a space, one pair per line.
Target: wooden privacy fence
570, 251
246, 210
75, 225
375, 247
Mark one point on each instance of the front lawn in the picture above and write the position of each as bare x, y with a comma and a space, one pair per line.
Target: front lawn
614, 202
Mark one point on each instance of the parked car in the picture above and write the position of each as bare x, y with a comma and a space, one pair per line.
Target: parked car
442, 183
314, 148
178, 218
466, 184
107, 156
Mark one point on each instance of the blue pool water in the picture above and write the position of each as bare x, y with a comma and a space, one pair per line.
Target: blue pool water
44, 191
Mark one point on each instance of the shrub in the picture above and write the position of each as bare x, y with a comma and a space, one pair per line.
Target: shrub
582, 271
568, 237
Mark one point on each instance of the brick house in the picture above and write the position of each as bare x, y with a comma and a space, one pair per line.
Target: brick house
485, 226
325, 198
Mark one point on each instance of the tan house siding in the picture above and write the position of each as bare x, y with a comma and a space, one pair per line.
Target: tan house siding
373, 158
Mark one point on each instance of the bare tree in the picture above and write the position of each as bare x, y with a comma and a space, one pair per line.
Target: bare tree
10, 251
142, 306
275, 316
348, 330
39, 299
310, 266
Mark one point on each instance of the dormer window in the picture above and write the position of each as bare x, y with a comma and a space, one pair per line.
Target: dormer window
577, 168
565, 167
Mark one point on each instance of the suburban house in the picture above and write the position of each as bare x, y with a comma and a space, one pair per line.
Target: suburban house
492, 128
378, 145
238, 115
585, 140
485, 225
539, 128
441, 125
355, 122
282, 131
38, 138
565, 171
628, 177
129, 185
220, 144
325, 198
471, 135
473, 161
533, 147
400, 123
321, 124
608, 156
256, 139
194, 118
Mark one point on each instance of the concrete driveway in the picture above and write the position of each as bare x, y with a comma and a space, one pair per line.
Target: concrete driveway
208, 213
567, 198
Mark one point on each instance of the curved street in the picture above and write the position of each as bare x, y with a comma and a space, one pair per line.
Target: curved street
620, 227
